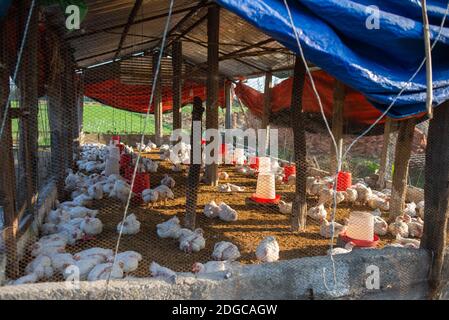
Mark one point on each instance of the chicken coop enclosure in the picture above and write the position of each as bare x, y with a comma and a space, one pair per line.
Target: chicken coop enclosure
222, 139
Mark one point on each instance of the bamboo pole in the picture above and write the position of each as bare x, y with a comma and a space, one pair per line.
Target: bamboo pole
402, 159
337, 123
157, 102
177, 84
386, 158
428, 50
299, 207
213, 31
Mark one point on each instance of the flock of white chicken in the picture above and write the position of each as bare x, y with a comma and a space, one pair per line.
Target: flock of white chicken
408, 224
73, 221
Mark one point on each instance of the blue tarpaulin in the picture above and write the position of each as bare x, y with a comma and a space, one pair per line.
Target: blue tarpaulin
4, 5
376, 60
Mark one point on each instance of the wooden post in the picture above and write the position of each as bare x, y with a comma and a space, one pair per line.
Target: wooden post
157, 102
266, 110
213, 24
177, 84
7, 172
80, 107
29, 105
193, 179
56, 114
386, 156
402, 158
299, 209
228, 104
436, 195
337, 123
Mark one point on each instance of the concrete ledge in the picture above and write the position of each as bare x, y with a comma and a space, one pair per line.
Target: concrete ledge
403, 274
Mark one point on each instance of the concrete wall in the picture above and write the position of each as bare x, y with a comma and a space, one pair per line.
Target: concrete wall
403, 274
129, 139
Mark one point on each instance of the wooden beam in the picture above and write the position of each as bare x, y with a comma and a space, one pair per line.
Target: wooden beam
436, 196
177, 84
401, 161
7, 172
29, 103
132, 16
213, 32
193, 179
228, 104
267, 100
122, 25
299, 207
387, 154
337, 123
157, 102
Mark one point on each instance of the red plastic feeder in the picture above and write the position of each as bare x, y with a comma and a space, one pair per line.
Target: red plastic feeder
288, 171
121, 147
128, 173
360, 243
141, 182
125, 161
254, 163
344, 180
266, 201
116, 139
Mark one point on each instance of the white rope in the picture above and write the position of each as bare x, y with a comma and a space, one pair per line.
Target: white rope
16, 69
139, 155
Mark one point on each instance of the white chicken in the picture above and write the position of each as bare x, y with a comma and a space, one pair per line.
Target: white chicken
49, 228
363, 192
169, 229
81, 212
380, 226
104, 271
225, 251
72, 232
226, 213
60, 261
72, 181
193, 243
157, 270
164, 193
317, 212
41, 266
420, 209
211, 210
351, 195
28, 279
410, 209
291, 181
268, 250
83, 268
329, 228
416, 227
168, 181
285, 207
50, 244
130, 226
376, 202
150, 197
121, 191
347, 249
91, 226
57, 216
211, 267
95, 191
99, 254
223, 175
129, 259
407, 242
399, 227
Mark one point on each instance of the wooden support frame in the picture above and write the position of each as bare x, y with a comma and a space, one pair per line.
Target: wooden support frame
386, 160
29, 107
337, 123
213, 31
436, 196
299, 207
267, 100
402, 159
177, 84
7, 172
126, 28
193, 179
157, 102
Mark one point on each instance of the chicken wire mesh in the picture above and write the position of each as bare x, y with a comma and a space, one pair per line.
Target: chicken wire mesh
89, 148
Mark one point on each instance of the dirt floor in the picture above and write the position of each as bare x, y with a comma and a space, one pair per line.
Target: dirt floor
254, 223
